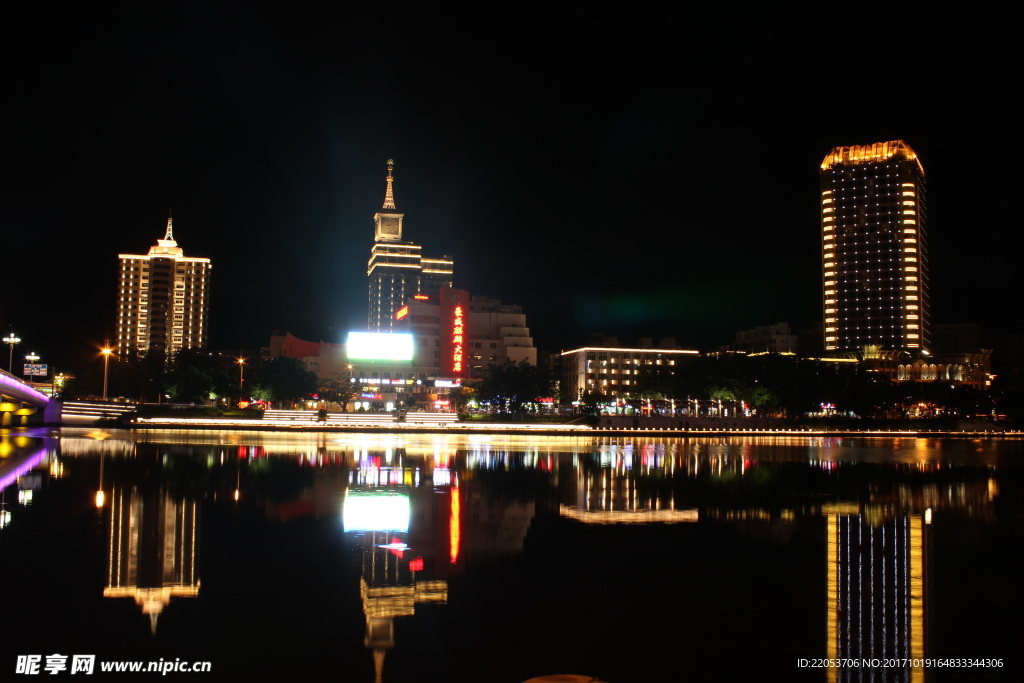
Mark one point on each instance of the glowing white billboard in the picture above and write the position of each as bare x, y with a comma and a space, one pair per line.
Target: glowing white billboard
378, 346
375, 512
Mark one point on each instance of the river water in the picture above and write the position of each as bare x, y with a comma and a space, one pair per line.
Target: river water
363, 557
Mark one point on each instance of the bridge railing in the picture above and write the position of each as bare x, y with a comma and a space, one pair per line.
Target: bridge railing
21, 390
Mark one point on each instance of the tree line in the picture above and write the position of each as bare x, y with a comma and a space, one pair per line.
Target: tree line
197, 376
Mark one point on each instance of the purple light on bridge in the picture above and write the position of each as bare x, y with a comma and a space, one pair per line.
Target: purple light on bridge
9, 476
14, 384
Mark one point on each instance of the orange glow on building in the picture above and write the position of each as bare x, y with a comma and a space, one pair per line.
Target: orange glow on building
868, 154
421, 297
401, 312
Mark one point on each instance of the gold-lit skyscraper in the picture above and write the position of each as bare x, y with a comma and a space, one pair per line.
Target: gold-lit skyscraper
163, 299
874, 248
398, 270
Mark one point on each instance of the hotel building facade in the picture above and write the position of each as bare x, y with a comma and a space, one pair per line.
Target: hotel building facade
163, 299
613, 371
874, 248
397, 270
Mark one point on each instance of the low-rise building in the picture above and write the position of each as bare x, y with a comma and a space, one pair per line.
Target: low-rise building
613, 371
777, 338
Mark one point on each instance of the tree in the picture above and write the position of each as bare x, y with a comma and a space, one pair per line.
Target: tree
337, 388
460, 396
194, 374
286, 379
591, 401
509, 385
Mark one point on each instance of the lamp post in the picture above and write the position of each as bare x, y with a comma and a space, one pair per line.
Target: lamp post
106, 363
31, 359
241, 378
11, 340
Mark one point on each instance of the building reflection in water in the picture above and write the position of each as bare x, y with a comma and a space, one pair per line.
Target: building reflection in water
875, 592
604, 487
420, 513
152, 548
387, 505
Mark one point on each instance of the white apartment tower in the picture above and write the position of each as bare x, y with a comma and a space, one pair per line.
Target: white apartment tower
398, 270
164, 298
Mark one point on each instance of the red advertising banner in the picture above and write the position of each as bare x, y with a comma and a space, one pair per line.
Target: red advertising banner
454, 340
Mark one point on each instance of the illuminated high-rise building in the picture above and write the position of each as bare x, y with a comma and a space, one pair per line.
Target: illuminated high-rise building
164, 299
874, 248
397, 270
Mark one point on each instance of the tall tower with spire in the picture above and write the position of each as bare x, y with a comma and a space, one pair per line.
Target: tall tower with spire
388, 221
397, 270
163, 298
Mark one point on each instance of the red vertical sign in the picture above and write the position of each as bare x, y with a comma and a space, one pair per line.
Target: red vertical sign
454, 333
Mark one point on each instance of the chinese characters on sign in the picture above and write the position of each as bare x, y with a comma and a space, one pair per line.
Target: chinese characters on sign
455, 339
457, 335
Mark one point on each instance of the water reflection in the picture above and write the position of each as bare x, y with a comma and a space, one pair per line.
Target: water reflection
395, 575
876, 591
433, 524
152, 547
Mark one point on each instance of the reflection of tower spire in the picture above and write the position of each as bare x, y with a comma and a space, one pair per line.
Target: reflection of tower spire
153, 549
389, 196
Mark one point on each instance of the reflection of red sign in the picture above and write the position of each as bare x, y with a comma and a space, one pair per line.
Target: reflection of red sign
416, 565
455, 332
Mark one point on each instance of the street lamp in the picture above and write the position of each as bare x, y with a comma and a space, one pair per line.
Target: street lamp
106, 362
241, 378
11, 340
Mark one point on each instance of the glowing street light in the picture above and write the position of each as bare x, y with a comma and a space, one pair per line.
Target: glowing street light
241, 379
31, 358
106, 351
11, 340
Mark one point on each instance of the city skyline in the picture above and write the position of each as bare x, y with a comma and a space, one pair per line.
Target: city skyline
635, 193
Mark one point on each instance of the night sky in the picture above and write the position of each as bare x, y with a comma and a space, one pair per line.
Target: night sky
636, 174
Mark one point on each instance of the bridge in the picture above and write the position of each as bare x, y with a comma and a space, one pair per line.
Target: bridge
18, 399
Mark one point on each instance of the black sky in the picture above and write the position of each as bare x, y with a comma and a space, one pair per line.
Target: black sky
612, 170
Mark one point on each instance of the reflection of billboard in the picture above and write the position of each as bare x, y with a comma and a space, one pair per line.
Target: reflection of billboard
378, 346
375, 511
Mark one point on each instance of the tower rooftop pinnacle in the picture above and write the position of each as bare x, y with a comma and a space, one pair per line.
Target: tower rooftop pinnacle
389, 195
167, 245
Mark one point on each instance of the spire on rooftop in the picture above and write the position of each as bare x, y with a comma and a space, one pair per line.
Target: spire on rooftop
170, 230
389, 196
